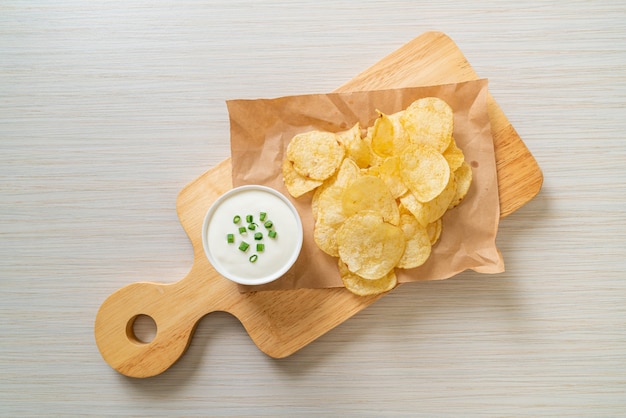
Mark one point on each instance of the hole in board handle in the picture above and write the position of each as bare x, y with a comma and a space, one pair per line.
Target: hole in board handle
141, 329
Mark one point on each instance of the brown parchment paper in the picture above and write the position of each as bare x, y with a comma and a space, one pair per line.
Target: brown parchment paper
261, 129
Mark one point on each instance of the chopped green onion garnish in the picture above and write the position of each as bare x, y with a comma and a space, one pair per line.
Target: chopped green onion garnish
258, 236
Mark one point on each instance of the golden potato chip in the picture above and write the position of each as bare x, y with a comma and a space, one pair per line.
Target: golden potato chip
363, 287
375, 159
434, 231
429, 121
388, 136
382, 136
329, 217
389, 172
434, 209
356, 147
327, 206
400, 136
325, 235
415, 207
347, 173
295, 183
417, 249
463, 177
316, 154
370, 193
424, 170
369, 246
439, 205
453, 155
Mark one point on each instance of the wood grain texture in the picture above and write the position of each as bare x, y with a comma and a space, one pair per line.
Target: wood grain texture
282, 322
108, 109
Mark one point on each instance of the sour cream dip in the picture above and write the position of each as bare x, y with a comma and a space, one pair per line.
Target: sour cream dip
241, 219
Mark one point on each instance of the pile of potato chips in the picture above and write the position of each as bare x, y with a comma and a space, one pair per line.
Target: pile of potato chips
379, 195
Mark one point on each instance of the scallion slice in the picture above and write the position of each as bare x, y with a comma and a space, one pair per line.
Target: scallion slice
250, 225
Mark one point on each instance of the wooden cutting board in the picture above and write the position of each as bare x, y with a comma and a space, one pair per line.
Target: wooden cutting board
282, 322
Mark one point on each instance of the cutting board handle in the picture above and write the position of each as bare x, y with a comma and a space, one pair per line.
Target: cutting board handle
116, 338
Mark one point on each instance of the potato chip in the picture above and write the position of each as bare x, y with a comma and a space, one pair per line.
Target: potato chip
424, 170
434, 231
356, 147
363, 287
370, 193
400, 136
388, 136
347, 173
389, 172
434, 209
327, 207
439, 205
328, 220
429, 121
375, 159
370, 247
382, 136
463, 177
418, 247
315, 155
415, 207
295, 183
453, 155
325, 234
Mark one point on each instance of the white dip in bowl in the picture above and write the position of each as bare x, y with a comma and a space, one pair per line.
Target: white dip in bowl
254, 265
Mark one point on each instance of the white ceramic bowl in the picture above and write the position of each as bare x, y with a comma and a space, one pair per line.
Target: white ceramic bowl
279, 254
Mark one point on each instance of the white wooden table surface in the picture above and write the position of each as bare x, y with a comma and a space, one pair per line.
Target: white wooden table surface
109, 108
